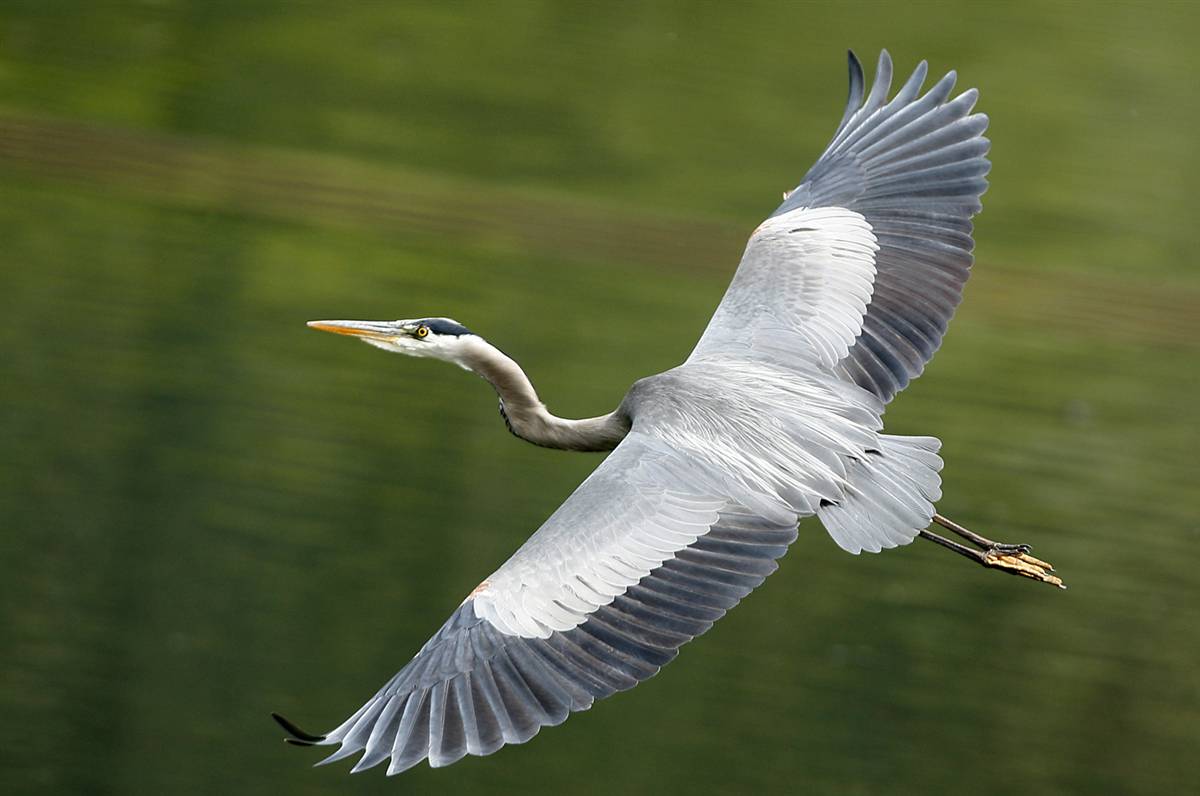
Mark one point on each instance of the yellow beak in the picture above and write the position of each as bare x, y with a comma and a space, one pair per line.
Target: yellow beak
377, 329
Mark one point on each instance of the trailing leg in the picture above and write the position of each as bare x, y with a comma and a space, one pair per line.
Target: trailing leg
1011, 558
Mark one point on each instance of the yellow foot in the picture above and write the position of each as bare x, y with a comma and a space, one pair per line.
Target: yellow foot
1011, 558
1015, 560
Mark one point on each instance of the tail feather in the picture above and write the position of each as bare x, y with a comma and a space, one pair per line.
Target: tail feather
890, 497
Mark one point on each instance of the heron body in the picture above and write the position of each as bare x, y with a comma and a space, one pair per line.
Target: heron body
842, 296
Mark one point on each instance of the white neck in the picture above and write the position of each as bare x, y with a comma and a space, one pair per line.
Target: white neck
525, 414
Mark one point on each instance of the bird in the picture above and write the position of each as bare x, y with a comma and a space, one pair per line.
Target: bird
842, 296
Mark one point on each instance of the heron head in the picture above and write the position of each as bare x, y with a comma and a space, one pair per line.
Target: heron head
440, 338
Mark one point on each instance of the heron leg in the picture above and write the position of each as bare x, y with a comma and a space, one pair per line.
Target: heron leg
1011, 558
977, 540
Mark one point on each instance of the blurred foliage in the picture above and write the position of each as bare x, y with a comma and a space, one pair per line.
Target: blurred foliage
207, 512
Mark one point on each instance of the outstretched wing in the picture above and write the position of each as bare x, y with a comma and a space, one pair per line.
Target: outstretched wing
913, 170
642, 558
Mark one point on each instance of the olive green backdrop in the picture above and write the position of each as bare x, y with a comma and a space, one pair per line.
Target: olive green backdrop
208, 512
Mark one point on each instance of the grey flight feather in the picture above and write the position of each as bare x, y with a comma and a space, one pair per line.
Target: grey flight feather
472, 689
842, 296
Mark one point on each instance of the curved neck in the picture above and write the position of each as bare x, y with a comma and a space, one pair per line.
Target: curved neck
525, 414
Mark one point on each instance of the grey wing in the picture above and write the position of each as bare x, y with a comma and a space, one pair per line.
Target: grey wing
915, 169
642, 558
861, 267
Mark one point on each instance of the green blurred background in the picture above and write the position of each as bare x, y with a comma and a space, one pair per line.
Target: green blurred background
208, 512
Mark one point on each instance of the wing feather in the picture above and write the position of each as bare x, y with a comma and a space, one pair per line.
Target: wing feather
915, 169
504, 665
873, 244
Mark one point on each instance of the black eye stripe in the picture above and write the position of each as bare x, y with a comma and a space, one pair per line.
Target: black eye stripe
443, 326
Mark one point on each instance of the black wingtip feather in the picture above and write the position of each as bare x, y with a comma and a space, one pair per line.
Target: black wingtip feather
857, 86
299, 736
857, 80
295, 742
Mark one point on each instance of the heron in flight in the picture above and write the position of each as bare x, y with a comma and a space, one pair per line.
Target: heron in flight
842, 296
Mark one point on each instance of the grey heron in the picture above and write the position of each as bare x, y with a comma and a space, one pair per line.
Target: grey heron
842, 296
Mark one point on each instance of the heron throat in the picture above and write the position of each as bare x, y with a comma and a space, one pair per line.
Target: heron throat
527, 417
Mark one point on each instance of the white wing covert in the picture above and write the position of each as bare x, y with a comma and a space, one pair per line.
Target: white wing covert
800, 292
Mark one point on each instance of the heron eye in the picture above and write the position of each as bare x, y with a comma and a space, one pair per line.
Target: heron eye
422, 332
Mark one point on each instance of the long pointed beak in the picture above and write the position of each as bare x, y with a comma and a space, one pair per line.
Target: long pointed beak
378, 329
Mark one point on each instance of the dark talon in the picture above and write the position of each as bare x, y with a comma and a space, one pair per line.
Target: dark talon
299, 736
